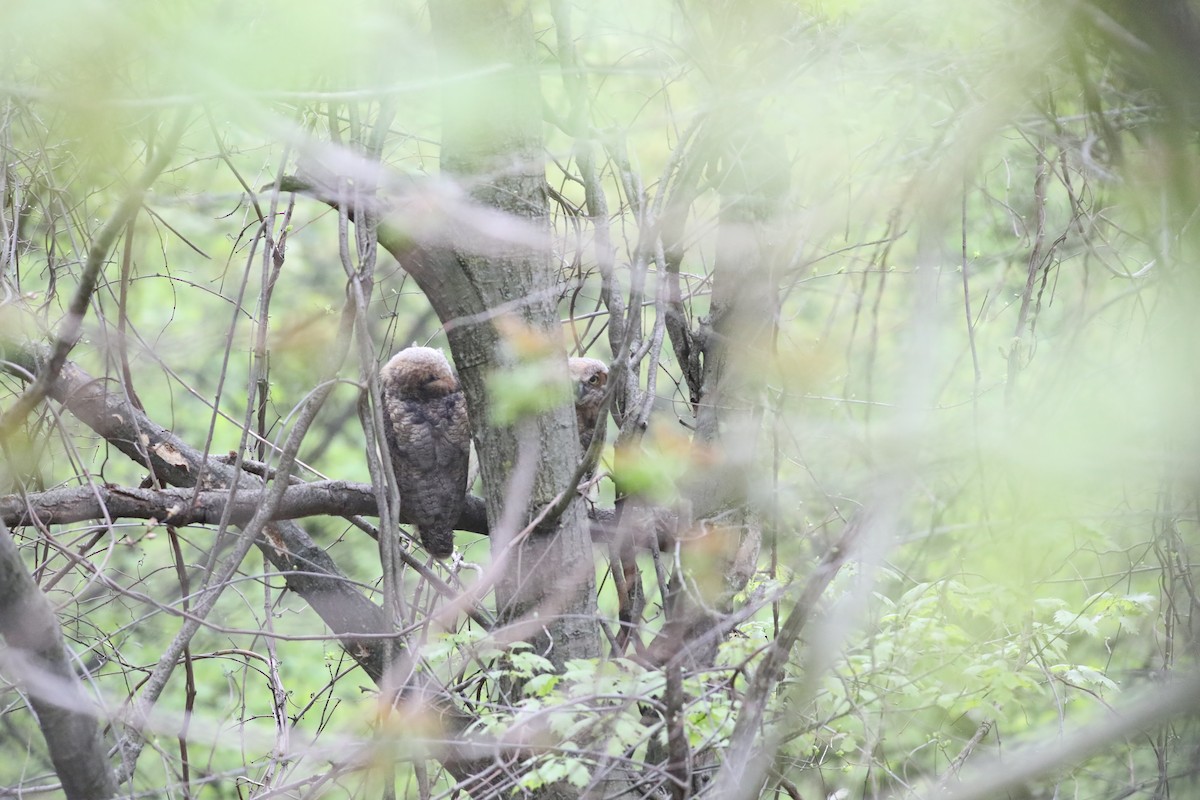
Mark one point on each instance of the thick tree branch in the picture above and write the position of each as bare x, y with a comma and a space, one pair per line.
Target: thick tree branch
37, 660
185, 506
180, 506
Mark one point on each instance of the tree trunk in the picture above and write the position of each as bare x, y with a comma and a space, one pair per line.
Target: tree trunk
492, 144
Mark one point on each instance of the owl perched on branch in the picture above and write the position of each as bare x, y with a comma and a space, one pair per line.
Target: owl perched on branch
430, 442
589, 378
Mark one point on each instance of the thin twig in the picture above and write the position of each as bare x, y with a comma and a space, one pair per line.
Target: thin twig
71, 327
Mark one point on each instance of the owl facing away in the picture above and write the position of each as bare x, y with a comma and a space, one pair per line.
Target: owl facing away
589, 378
429, 438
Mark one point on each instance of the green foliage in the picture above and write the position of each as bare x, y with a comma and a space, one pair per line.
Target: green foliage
527, 389
552, 770
656, 466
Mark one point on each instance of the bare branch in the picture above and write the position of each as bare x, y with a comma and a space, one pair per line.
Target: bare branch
97, 253
182, 506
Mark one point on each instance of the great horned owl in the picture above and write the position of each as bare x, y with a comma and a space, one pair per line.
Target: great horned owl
589, 377
430, 442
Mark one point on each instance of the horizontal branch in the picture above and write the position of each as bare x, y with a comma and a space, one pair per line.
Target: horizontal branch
180, 506
186, 506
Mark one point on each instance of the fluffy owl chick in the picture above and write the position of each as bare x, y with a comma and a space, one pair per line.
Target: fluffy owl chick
430, 442
589, 377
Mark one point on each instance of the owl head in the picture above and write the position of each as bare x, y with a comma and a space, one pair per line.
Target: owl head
590, 377
419, 373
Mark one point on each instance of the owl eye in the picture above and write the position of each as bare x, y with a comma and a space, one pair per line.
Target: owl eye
594, 379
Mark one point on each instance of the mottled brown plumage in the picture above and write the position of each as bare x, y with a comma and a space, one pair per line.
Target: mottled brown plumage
430, 442
589, 377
